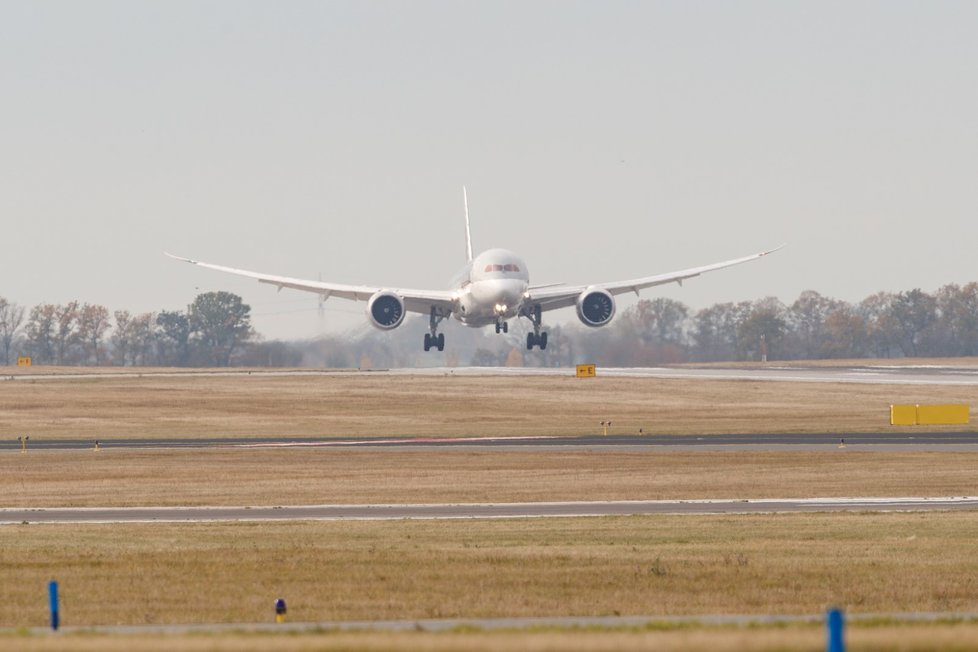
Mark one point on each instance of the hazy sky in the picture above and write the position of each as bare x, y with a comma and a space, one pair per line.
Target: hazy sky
600, 140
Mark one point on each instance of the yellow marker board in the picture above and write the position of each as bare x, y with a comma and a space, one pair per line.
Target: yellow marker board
24, 361
930, 415
903, 415
586, 371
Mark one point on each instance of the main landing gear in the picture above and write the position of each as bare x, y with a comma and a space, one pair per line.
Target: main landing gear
536, 338
434, 338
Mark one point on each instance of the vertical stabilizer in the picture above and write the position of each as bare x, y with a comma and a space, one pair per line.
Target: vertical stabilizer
468, 232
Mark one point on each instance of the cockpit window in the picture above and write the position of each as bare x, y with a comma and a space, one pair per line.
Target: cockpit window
508, 267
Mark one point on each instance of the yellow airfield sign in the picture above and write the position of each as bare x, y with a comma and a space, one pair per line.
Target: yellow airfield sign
586, 371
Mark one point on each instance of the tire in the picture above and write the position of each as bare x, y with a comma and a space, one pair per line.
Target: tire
441, 341
427, 341
530, 341
543, 341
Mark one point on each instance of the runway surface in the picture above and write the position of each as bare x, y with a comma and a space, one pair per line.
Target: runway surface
438, 511
917, 441
867, 374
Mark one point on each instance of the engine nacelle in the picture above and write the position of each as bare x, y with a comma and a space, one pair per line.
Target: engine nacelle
595, 307
385, 310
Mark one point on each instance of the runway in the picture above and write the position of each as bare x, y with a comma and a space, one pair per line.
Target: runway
436, 511
880, 441
865, 374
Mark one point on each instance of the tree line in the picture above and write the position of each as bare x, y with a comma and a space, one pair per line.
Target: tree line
215, 330
209, 333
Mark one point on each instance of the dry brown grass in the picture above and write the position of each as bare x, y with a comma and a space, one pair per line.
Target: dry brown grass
372, 405
330, 475
213, 572
901, 638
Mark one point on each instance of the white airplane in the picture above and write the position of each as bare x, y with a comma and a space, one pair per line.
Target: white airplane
492, 288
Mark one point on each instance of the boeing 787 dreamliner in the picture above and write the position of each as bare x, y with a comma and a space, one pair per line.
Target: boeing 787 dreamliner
492, 288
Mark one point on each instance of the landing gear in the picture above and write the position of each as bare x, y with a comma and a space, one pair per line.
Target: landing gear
434, 338
502, 327
536, 338
437, 341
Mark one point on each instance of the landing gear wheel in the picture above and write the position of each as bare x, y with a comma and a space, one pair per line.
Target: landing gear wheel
542, 341
505, 326
427, 341
531, 341
440, 341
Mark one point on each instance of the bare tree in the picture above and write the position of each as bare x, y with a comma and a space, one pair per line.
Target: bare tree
121, 336
66, 332
142, 336
11, 319
93, 323
40, 332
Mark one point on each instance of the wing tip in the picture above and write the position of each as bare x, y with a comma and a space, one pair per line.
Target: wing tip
186, 260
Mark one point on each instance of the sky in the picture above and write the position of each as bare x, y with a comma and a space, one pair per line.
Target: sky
599, 140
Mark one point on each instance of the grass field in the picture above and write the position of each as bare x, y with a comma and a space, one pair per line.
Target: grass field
372, 405
344, 476
670, 565
209, 572
951, 637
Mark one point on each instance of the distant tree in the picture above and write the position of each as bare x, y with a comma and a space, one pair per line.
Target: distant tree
913, 312
142, 338
173, 333
765, 326
957, 309
66, 332
122, 336
881, 327
220, 322
93, 323
484, 358
807, 317
514, 358
845, 334
715, 331
40, 332
657, 321
11, 319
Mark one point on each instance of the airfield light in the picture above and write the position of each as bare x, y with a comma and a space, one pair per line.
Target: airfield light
53, 599
836, 631
280, 610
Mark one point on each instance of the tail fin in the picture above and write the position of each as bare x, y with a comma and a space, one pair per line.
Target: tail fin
468, 233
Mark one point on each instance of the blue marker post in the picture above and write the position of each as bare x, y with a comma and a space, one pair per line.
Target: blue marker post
836, 642
53, 595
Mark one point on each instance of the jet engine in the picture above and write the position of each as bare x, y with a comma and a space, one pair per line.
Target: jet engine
595, 307
386, 310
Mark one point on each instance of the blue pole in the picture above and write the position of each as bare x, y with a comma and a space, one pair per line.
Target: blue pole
53, 596
836, 642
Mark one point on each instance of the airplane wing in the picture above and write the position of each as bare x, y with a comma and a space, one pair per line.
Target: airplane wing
562, 296
419, 301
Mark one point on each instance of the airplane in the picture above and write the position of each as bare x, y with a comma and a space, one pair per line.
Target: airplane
491, 289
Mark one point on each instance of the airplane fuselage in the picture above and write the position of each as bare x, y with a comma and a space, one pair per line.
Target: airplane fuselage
491, 289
